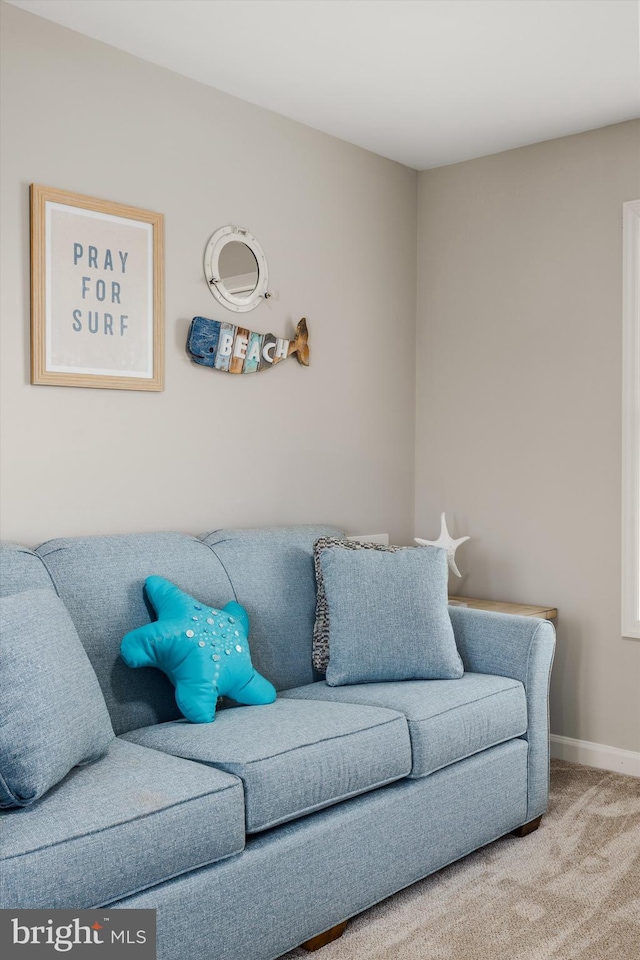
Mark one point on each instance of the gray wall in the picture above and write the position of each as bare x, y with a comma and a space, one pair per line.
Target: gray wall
519, 345
334, 442
519, 399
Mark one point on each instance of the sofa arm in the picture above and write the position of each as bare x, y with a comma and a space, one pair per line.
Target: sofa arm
521, 648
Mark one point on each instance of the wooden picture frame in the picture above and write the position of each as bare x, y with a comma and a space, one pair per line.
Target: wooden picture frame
97, 304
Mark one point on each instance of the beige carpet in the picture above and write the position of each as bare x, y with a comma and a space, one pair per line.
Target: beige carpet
570, 891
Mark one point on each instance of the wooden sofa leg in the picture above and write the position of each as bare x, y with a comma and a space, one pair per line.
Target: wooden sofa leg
527, 828
324, 938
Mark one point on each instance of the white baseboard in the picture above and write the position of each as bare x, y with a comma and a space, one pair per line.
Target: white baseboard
595, 755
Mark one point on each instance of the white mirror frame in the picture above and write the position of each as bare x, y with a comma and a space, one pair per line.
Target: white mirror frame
217, 242
631, 422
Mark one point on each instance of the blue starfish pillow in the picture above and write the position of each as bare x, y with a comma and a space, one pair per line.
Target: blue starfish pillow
203, 651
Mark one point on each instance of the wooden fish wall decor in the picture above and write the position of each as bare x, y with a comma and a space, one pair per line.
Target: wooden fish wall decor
224, 346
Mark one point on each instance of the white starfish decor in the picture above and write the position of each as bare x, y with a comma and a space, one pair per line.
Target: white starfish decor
445, 540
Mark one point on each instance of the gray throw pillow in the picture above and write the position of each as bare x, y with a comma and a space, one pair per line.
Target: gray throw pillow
384, 614
320, 649
52, 712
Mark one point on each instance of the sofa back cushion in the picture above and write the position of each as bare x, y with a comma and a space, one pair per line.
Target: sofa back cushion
101, 581
21, 569
272, 573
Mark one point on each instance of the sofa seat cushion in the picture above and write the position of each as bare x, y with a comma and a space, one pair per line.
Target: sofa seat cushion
132, 819
448, 719
293, 756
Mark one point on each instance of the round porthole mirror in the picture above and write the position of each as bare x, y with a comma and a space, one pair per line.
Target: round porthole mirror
236, 269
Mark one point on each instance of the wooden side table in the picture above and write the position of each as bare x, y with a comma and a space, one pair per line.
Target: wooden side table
497, 606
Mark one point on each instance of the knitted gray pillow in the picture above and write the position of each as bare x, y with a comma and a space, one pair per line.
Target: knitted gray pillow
320, 652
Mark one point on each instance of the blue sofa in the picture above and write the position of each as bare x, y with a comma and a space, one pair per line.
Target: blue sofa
260, 831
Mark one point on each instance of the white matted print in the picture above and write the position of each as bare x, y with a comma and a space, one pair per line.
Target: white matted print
96, 292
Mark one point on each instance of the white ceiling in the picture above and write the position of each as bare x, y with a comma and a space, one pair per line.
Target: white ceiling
424, 82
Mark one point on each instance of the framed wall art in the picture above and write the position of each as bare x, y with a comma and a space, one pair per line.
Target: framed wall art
96, 293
